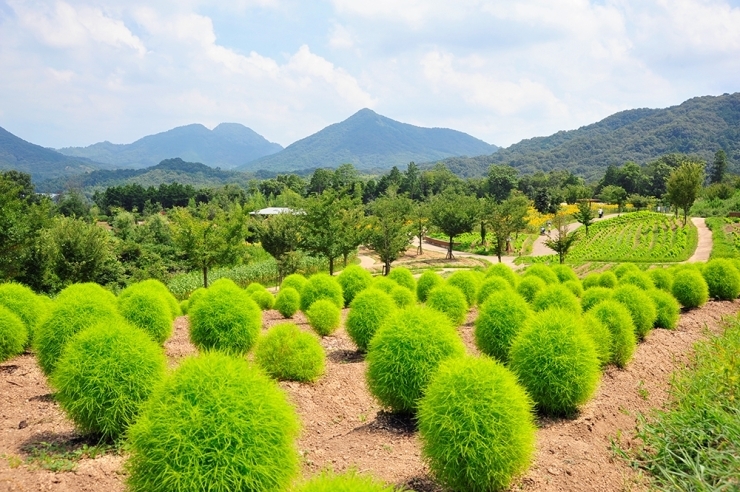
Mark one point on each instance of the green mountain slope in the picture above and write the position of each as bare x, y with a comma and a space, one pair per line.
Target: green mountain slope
368, 140
226, 146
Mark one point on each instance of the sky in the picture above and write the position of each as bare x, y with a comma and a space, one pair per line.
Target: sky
73, 73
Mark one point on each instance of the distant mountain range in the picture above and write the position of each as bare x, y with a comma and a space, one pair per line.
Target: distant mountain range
227, 146
371, 141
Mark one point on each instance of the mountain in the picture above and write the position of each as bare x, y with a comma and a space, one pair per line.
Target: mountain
166, 172
226, 146
368, 140
41, 163
699, 127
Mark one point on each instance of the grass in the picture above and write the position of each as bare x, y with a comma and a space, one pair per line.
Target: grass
57, 457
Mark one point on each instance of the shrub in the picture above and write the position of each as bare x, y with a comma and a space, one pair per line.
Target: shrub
153, 285
450, 301
530, 286
324, 317
427, 281
21, 301
384, 283
402, 276
195, 296
689, 288
595, 295
601, 336
491, 437
255, 287
556, 296
184, 306
105, 374
608, 280
350, 481
723, 279
467, 283
639, 279
617, 319
544, 272
564, 273
288, 353
661, 278
667, 309
591, 280
403, 297
366, 314
216, 423
77, 307
13, 334
287, 302
500, 319
321, 286
555, 359
353, 280
264, 299
640, 306
503, 271
490, 285
624, 268
295, 281
405, 353
225, 318
147, 310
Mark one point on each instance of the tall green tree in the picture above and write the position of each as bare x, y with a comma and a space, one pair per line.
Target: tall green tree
389, 230
585, 214
322, 225
500, 181
684, 185
614, 194
719, 167
280, 236
454, 214
351, 231
563, 240
420, 223
506, 218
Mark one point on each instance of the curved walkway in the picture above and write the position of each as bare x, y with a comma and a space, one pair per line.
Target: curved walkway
704, 244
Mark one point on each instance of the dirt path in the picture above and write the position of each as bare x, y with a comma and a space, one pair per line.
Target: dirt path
704, 245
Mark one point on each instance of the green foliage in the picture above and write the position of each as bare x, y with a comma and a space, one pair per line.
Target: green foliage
723, 279
384, 283
608, 279
242, 439
689, 288
324, 317
157, 286
366, 314
287, 353
490, 285
684, 185
575, 287
76, 308
466, 281
402, 276
667, 309
226, 319
556, 296
388, 230
564, 273
476, 425
264, 299
254, 287
287, 302
147, 310
405, 353
555, 359
184, 306
453, 213
618, 320
499, 321
591, 280
595, 295
529, 287
353, 280
294, 280
450, 301
641, 308
661, 279
545, 273
639, 279
350, 481
504, 271
21, 301
13, 334
427, 281
195, 297
403, 297
105, 374
321, 286
600, 335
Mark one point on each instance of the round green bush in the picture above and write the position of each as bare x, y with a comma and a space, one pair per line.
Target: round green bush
608, 280
153, 285
544, 272
490, 285
384, 283
24, 303
295, 281
147, 310
595, 295
641, 308
476, 425
667, 309
105, 374
624, 268
349, 481
618, 321
13, 334
723, 279
195, 296
450, 301
405, 353
555, 359
638, 279
661, 278
689, 288
500, 319
254, 287
226, 319
503, 271
287, 353
530, 286
601, 336
564, 273
287, 301
575, 286
427, 281
217, 423
466, 281
366, 314
184, 306
321, 286
403, 297
403, 276
77, 307
556, 296
591, 280
324, 316
353, 280
264, 299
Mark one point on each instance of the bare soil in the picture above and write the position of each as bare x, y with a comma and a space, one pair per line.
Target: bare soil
344, 427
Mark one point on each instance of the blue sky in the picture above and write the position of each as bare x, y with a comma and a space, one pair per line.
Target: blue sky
78, 72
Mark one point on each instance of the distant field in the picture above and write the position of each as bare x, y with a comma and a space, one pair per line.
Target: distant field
725, 237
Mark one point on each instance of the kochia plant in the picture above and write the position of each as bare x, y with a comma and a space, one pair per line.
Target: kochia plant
264, 299
324, 317
321, 286
575, 286
148, 310
366, 314
544, 272
556, 296
353, 279
661, 279
564, 273
641, 308
723, 279
403, 297
428, 281
500, 319
350, 481
288, 353
152, 285
689, 288
601, 336
467, 282
618, 321
287, 302
503, 271
22, 302
595, 295
638, 279
13, 334
490, 285
666, 307
295, 281
450, 301
402, 276
608, 279
530, 286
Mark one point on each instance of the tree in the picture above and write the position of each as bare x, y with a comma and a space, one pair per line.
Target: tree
389, 230
585, 214
454, 214
350, 232
322, 225
420, 223
412, 182
638, 201
684, 186
719, 168
563, 240
321, 180
280, 235
501, 180
506, 218
614, 194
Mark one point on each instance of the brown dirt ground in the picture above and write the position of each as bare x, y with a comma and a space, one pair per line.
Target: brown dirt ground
344, 427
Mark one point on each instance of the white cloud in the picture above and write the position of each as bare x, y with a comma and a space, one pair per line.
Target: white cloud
340, 37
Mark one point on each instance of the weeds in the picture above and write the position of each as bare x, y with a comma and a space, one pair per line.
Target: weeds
57, 457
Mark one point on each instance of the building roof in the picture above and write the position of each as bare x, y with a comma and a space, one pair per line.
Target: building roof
273, 211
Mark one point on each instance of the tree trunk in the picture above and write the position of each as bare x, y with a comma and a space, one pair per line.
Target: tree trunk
331, 266
205, 276
449, 251
387, 267
344, 257
421, 240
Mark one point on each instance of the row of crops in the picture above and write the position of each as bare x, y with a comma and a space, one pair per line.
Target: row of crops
218, 422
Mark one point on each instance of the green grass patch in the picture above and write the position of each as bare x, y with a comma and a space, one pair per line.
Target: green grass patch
63, 457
